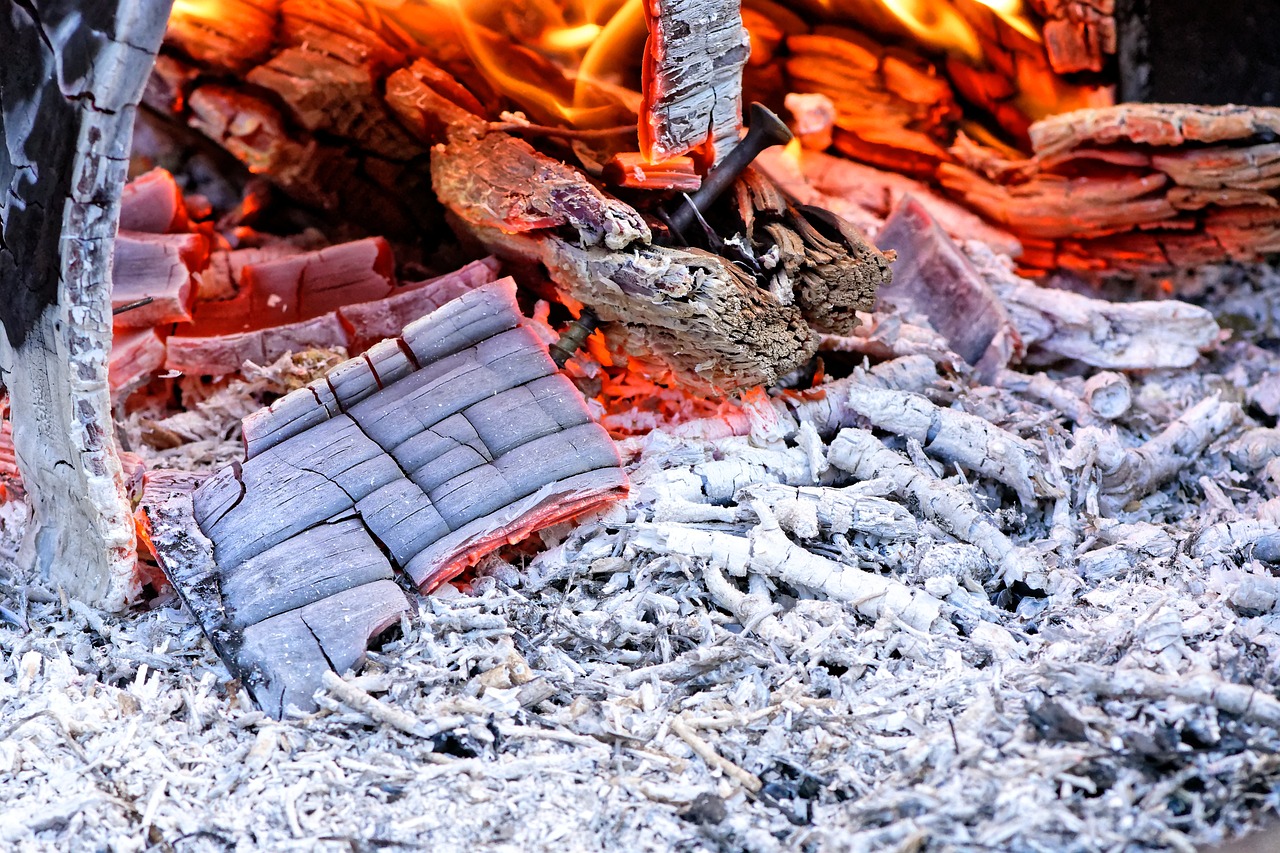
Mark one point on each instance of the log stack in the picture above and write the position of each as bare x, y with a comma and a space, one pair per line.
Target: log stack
1135, 187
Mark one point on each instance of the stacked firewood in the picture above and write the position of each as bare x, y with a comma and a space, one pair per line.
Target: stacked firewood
189, 302
1133, 187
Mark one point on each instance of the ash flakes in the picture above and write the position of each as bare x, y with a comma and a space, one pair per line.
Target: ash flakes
803, 630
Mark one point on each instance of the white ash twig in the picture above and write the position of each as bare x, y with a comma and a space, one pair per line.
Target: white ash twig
839, 510
707, 753
865, 456
957, 437
1132, 473
1201, 688
768, 552
356, 699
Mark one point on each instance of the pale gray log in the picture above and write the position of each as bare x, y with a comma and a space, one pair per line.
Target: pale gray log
71, 81
315, 564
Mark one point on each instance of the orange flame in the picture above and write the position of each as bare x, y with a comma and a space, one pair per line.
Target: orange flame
563, 62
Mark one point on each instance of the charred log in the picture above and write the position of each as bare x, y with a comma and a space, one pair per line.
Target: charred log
426, 453
69, 85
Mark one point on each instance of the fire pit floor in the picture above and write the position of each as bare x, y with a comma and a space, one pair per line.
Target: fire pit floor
700, 667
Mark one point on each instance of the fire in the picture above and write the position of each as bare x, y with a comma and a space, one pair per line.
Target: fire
572, 63
937, 25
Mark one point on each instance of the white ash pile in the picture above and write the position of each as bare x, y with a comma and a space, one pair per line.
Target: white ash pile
909, 610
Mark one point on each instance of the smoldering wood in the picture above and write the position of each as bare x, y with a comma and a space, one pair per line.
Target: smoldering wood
159, 266
1133, 187
153, 203
933, 279
692, 78
421, 456
70, 83
892, 109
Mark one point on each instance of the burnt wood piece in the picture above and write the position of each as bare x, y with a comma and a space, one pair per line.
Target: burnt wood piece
1079, 35
280, 621
629, 169
820, 259
446, 443
159, 266
934, 282
293, 288
153, 203
70, 81
692, 78
1137, 187
353, 327
893, 109
685, 311
303, 100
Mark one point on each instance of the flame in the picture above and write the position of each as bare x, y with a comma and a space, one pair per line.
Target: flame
937, 25
573, 63
1012, 13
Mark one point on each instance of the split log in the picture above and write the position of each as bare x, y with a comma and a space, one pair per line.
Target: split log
445, 442
69, 85
692, 78
935, 281
1057, 324
1136, 187
693, 313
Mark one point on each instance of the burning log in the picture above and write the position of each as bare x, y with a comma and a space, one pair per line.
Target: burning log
434, 448
696, 313
692, 79
71, 82
1135, 187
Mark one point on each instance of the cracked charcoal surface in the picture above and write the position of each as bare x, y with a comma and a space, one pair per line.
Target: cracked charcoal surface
421, 455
